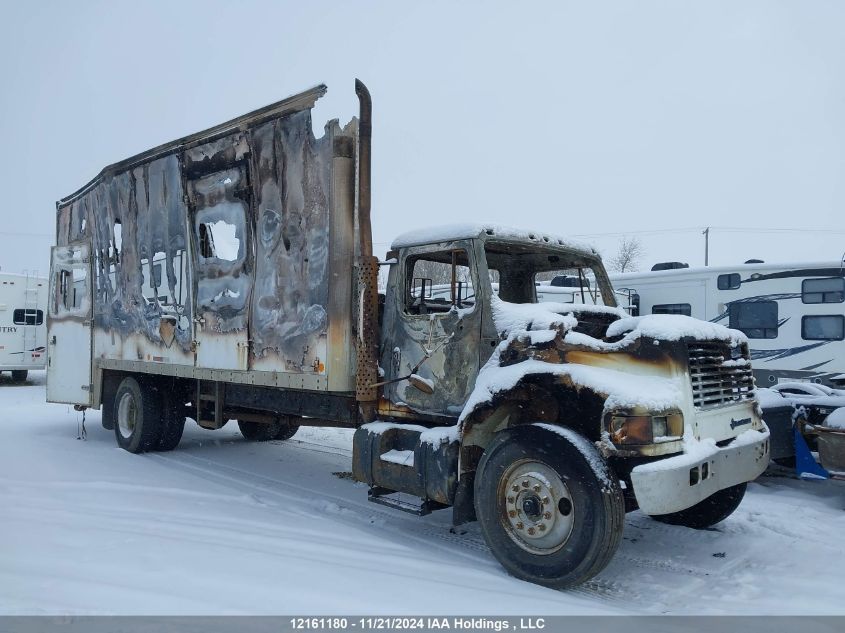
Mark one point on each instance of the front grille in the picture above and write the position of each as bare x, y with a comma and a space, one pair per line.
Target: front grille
718, 376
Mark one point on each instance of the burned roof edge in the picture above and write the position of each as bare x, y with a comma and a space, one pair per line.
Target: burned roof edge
489, 231
295, 103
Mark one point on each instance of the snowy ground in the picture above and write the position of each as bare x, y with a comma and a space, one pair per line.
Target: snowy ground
223, 526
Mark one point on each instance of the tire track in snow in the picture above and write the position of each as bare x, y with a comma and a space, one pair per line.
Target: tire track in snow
468, 545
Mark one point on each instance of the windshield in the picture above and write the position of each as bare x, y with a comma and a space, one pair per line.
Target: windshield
525, 273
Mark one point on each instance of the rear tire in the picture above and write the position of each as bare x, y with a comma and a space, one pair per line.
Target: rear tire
550, 507
19, 375
257, 431
281, 429
715, 508
138, 412
173, 422
286, 428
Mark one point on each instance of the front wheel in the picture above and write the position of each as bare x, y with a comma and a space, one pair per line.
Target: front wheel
549, 506
715, 508
19, 375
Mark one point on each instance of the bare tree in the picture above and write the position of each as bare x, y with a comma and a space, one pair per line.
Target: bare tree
628, 257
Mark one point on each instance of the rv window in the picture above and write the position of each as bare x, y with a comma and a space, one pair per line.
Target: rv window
672, 308
728, 282
27, 317
823, 328
430, 282
831, 290
756, 319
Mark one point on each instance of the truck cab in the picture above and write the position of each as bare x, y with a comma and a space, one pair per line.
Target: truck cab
494, 403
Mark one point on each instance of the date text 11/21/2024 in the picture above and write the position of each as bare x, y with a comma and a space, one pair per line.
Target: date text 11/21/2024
416, 623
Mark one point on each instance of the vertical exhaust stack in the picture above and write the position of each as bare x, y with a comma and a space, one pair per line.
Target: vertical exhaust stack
368, 335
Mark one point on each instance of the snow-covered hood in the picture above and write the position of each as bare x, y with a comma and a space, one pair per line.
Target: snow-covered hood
513, 319
674, 327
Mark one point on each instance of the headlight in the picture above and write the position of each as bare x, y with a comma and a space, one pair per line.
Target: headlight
645, 429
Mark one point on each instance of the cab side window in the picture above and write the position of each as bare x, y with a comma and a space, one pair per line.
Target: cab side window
438, 282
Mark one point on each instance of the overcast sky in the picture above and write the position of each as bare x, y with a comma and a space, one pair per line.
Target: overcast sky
582, 119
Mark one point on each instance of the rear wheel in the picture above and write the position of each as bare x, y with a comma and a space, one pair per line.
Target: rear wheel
715, 508
549, 507
285, 428
137, 415
173, 422
19, 375
282, 429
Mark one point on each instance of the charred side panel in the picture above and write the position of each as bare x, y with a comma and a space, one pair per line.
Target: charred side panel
137, 231
289, 317
214, 251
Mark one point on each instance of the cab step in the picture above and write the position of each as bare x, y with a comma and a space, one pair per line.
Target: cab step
396, 458
391, 499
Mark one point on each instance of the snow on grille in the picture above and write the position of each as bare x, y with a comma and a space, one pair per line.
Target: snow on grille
718, 377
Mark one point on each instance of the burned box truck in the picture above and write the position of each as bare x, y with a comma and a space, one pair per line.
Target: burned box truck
229, 275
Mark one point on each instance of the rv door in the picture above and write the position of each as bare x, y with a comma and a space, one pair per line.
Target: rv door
69, 324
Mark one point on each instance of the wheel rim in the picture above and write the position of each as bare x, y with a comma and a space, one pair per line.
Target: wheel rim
536, 507
127, 415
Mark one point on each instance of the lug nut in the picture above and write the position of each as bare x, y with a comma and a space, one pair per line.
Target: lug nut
512, 513
524, 483
547, 515
515, 488
542, 527
519, 526
531, 531
545, 499
536, 488
511, 500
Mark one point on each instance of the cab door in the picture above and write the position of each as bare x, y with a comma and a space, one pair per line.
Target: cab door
69, 325
432, 328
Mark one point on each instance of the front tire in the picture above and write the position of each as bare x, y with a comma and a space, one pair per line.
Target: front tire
19, 375
549, 506
137, 415
714, 509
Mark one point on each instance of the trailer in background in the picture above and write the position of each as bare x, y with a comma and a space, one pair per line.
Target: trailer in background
23, 331
792, 314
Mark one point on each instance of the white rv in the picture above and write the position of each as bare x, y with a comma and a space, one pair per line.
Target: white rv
793, 314
23, 332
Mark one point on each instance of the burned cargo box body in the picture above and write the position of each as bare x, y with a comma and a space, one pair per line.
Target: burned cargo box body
213, 253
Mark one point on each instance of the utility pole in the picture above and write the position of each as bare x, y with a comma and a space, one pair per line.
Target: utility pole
706, 234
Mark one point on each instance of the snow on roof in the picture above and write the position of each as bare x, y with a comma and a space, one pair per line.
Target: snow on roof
618, 278
674, 327
836, 420
449, 232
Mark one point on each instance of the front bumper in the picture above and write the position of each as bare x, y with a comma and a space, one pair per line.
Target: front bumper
671, 484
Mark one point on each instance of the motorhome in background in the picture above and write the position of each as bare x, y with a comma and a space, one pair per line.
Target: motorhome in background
23, 333
793, 314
